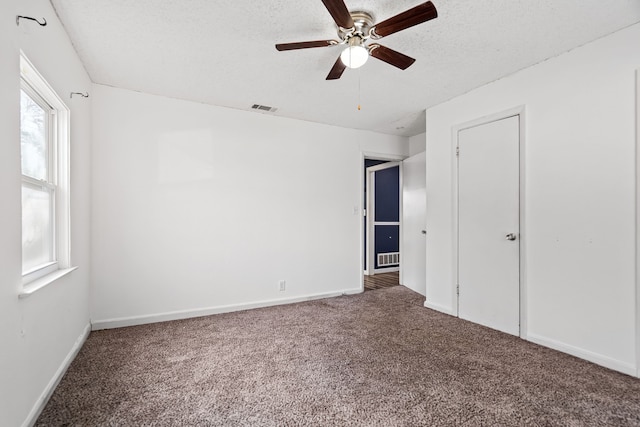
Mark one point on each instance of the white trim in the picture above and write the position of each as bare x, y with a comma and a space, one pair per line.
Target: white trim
599, 359
369, 227
199, 312
49, 389
386, 222
520, 112
386, 270
30, 288
454, 223
522, 239
382, 156
362, 204
400, 216
38, 272
390, 164
637, 242
440, 308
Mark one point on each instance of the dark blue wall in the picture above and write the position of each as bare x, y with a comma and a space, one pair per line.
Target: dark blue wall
388, 195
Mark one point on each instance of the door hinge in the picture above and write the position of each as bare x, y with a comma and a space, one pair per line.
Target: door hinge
457, 151
458, 289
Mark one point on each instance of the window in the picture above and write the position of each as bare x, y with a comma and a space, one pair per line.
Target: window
44, 143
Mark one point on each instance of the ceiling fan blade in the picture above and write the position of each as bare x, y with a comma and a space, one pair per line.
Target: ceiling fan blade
409, 18
305, 45
337, 70
390, 56
339, 13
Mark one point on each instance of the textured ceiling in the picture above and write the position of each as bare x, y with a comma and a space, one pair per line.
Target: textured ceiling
222, 53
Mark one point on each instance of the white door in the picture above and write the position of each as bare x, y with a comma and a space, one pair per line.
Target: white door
414, 208
488, 224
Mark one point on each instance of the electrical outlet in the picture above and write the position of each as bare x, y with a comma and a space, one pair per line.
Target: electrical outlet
282, 285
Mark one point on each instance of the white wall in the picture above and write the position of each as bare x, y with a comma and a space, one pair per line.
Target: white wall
417, 144
199, 209
579, 194
38, 333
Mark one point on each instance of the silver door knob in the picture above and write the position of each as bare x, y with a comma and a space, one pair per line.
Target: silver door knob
510, 236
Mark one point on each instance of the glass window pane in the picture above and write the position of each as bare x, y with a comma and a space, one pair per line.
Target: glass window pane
37, 227
33, 137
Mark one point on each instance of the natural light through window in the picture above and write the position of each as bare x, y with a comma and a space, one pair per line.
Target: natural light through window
44, 141
38, 183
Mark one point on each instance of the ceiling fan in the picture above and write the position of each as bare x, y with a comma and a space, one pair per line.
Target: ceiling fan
356, 28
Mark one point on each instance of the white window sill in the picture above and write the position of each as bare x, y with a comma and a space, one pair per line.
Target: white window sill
36, 285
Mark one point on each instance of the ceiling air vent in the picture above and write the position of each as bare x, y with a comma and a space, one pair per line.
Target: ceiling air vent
264, 108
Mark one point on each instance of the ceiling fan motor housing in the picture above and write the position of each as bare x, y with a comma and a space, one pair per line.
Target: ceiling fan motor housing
362, 23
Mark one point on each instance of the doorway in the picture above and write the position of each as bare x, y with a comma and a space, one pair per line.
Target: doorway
382, 217
409, 225
375, 276
488, 223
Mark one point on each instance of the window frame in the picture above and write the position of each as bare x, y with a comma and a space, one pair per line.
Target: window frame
48, 184
57, 181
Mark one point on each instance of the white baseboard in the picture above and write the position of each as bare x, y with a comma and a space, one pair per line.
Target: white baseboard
598, 359
49, 389
440, 308
122, 322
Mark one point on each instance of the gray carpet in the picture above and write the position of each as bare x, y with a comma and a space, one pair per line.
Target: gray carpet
375, 359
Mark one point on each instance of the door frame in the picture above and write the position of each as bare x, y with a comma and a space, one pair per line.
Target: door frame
637, 214
363, 205
455, 130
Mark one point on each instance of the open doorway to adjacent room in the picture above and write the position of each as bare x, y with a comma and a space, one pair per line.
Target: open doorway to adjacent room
382, 213
393, 227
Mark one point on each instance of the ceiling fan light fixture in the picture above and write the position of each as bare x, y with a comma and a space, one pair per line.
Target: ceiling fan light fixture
355, 55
